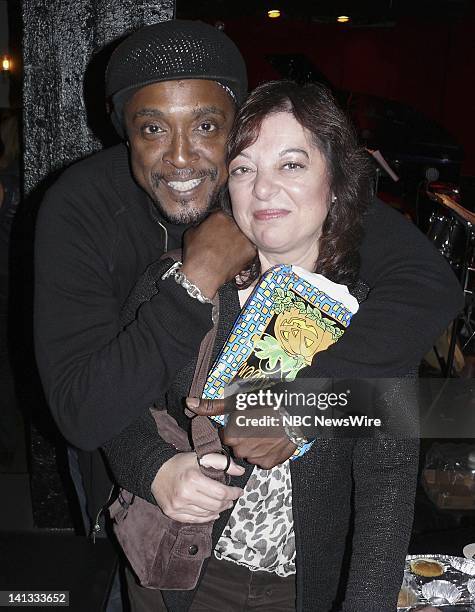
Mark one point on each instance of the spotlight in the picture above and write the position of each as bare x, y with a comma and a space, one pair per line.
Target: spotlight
6, 64
273, 14
343, 19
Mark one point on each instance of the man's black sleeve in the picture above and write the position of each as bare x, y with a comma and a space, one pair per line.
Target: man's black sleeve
98, 378
413, 297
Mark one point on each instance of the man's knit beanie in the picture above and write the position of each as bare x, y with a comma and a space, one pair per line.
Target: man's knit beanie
169, 51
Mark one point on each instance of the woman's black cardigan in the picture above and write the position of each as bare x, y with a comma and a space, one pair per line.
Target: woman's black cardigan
366, 486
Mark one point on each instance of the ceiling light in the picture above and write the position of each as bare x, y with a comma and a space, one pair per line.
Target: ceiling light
343, 19
6, 64
273, 14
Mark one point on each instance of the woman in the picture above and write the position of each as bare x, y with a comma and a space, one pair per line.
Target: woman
299, 186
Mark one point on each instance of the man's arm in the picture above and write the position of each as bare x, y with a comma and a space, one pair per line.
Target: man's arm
97, 377
413, 297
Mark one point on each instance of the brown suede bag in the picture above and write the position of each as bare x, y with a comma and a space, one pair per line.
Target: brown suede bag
164, 553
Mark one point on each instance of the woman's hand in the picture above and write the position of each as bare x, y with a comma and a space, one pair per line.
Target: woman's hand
186, 495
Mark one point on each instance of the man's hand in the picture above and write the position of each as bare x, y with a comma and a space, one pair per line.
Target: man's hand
264, 446
186, 495
214, 252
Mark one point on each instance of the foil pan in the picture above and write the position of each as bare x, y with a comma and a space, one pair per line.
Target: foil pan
462, 581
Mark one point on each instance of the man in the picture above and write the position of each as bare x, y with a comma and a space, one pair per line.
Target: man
99, 229
174, 89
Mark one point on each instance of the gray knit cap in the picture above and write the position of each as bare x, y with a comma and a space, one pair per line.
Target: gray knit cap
169, 51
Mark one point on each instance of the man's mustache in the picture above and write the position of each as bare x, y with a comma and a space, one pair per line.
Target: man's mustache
186, 174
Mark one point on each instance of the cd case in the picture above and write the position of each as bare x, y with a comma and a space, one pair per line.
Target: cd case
289, 318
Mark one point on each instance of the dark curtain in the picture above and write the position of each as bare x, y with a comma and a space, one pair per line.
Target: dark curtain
64, 116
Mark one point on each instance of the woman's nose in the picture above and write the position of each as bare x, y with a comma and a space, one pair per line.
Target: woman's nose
180, 151
264, 186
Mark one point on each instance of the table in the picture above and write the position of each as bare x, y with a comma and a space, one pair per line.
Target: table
449, 542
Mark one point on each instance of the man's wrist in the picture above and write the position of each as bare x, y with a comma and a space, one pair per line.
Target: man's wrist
175, 271
206, 283
293, 433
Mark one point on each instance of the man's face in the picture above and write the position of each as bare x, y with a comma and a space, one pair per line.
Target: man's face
177, 134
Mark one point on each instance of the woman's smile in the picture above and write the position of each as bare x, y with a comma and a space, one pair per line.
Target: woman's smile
270, 214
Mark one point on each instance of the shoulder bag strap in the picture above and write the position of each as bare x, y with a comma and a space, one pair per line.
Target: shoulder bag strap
204, 434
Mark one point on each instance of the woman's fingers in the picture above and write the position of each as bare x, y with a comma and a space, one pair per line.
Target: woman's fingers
191, 518
219, 462
215, 490
203, 505
197, 511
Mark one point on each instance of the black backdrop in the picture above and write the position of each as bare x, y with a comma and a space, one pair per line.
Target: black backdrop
64, 113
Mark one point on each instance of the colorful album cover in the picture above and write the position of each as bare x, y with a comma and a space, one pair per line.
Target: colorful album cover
289, 318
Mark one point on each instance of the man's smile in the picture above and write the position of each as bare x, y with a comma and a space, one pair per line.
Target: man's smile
183, 186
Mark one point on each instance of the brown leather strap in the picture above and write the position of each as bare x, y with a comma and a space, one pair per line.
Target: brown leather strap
203, 433
204, 361
170, 431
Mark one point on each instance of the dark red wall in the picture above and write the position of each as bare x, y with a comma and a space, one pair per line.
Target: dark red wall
429, 66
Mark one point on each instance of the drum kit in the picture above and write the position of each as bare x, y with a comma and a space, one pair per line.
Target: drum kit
452, 230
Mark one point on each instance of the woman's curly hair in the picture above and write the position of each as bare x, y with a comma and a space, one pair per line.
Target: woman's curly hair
348, 168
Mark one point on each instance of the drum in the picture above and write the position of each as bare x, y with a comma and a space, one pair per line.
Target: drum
448, 235
469, 285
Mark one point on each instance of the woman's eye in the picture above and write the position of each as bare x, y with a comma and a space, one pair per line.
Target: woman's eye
239, 171
207, 126
292, 166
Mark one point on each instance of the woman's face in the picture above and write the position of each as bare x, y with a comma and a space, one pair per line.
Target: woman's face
279, 191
